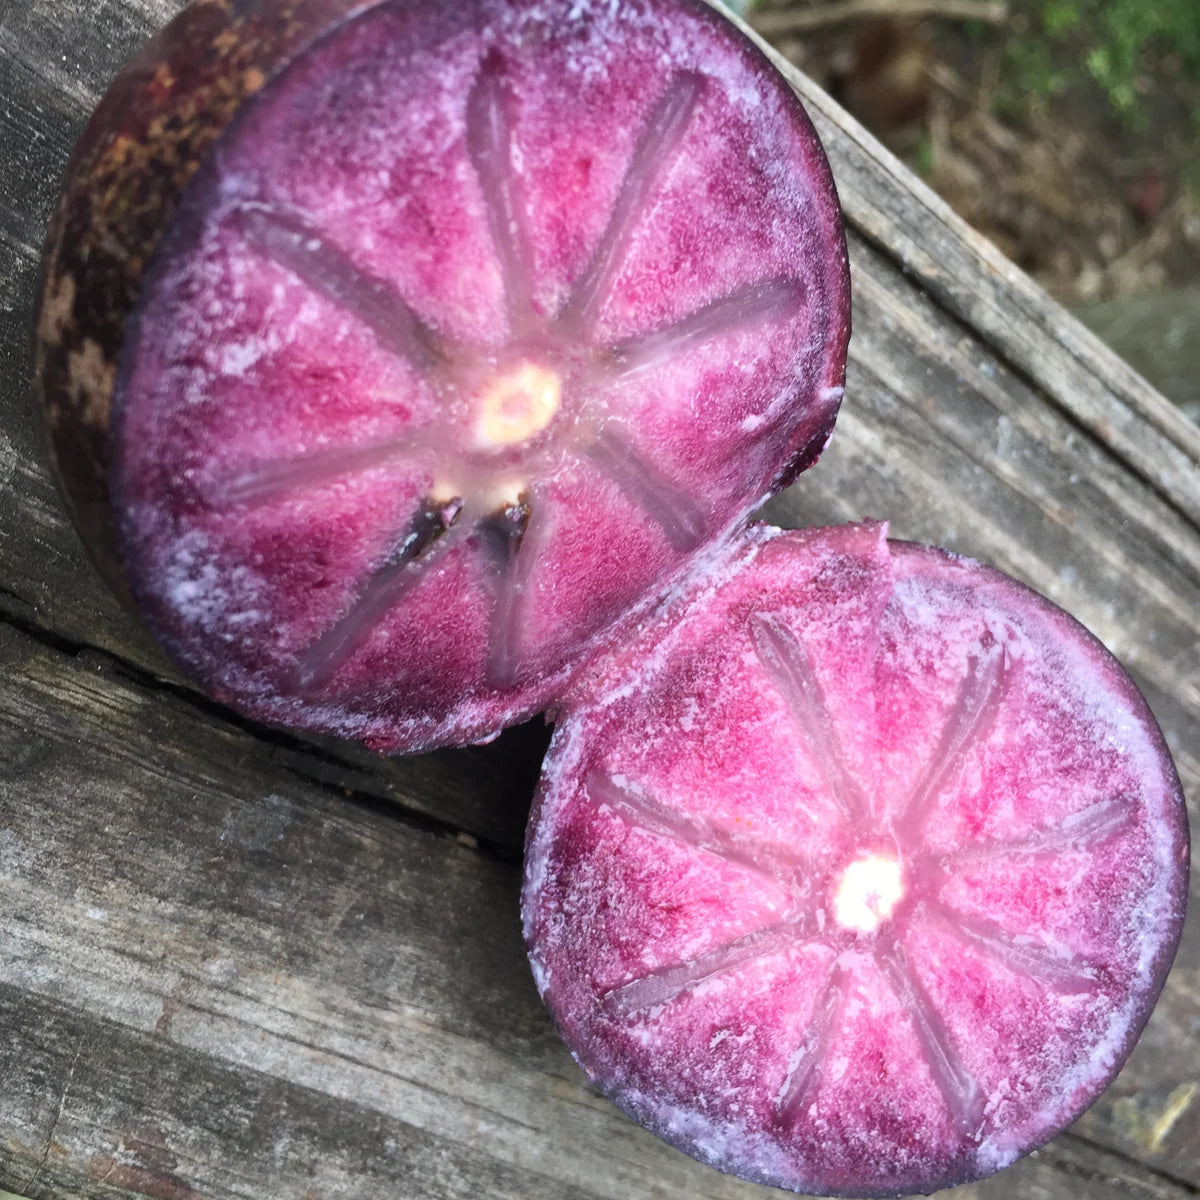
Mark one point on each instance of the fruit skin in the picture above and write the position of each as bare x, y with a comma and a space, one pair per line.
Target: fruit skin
602, 890
142, 151
145, 141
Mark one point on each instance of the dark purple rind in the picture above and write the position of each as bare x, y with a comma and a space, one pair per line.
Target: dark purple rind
151, 132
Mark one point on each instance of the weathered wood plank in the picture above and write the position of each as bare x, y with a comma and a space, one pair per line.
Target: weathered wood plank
157, 880
125, 1123
978, 416
1077, 373
214, 983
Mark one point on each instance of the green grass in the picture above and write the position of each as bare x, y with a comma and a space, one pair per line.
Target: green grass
1111, 43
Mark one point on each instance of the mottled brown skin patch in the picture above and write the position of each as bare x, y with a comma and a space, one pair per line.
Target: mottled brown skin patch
89, 381
58, 307
145, 142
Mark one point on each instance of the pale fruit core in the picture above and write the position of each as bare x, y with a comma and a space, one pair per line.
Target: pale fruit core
867, 892
519, 404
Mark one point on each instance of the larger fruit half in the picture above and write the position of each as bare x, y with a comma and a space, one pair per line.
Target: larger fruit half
477, 323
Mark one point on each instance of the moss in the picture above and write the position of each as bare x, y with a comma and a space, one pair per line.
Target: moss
1113, 44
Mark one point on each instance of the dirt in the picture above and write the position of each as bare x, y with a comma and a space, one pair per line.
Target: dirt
1090, 205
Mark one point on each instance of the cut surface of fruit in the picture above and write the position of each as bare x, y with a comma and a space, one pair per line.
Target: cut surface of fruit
480, 321
858, 872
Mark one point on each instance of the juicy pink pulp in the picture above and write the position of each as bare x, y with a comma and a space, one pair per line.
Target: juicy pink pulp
479, 322
859, 872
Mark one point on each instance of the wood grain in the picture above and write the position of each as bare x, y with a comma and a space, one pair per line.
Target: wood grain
214, 976
307, 969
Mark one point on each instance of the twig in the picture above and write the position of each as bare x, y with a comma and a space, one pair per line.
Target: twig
989, 79
839, 12
1151, 245
948, 79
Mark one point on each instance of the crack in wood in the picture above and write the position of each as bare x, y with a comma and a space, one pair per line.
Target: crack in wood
1069, 1137
386, 802
58, 1112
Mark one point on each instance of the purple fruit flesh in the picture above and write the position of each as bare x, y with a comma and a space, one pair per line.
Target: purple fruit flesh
477, 325
859, 871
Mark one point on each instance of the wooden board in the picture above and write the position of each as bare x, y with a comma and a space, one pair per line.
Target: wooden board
236, 962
